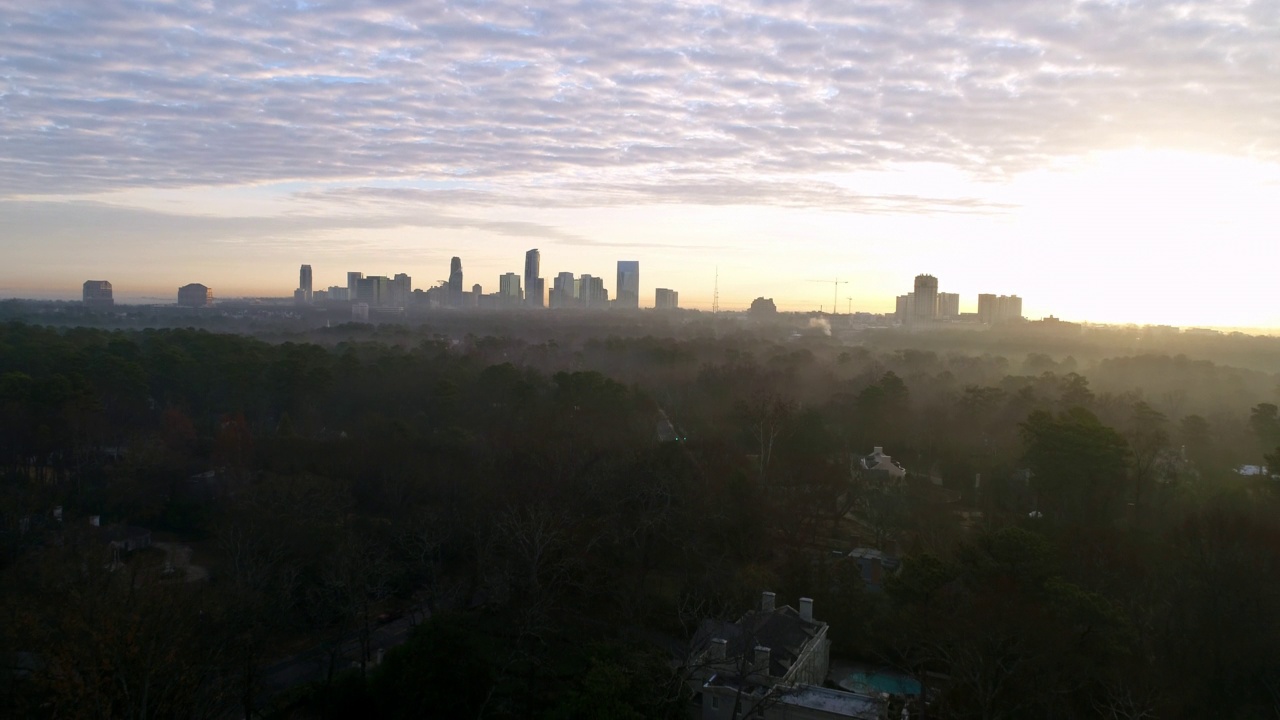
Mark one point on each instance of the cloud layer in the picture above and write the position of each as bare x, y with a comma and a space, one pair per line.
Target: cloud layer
608, 102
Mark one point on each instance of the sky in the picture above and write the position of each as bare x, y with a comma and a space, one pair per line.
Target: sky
1113, 161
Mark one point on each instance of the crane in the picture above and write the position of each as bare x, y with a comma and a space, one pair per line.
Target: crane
835, 295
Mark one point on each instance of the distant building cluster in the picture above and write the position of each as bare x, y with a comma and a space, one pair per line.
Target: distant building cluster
925, 304
376, 295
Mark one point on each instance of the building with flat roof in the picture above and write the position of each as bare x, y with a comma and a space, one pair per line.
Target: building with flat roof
666, 299
97, 295
195, 295
591, 293
509, 292
948, 305
628, 287
995, 309
304, 282
926, 298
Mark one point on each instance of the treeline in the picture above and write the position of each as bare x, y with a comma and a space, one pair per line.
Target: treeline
1108, 560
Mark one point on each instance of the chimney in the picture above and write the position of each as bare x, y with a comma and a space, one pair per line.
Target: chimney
718, 648
766, 601
806, 609
879, 450
57, 513
762, 659
95, 520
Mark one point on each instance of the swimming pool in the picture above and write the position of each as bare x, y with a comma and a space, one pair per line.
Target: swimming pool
869, 683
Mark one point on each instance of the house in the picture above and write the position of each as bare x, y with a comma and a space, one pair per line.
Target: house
770, 664
880, 464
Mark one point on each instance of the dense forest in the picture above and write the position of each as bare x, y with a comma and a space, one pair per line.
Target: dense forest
548, 519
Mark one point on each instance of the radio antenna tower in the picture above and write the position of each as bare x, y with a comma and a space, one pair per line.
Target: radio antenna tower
715, 296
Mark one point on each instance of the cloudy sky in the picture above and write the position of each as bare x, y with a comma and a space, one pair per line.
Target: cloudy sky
1110, 161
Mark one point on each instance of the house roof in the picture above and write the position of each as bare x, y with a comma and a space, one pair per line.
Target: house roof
781, 630
835, 702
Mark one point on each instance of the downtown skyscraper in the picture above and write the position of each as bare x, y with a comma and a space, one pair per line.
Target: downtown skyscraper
627, 293
455, 282
304, 283
533, 289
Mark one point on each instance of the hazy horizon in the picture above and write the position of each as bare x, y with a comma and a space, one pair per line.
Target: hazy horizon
1106, 161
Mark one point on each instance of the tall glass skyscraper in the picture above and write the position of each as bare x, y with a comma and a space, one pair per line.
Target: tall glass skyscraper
532, 283
304, 282
455, 282
628, 292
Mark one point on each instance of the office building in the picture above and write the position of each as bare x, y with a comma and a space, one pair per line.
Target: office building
360, 312
304, 283
509, 294
564, 292
591, 293
374, 290
97, 295
926, 299
399, 291
949, 305
455, 282
532, 282
353, 281
195, 295
628, 287
665, 299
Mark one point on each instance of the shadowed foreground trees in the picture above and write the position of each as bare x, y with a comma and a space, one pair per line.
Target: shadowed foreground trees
1077, 465
522, 494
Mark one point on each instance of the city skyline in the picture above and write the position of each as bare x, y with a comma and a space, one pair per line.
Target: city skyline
1097, 158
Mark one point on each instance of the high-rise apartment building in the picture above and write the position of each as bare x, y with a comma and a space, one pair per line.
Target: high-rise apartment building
304, 283
948, 305
986, 308
532, 282
905, 308
97, 295
628, 287
1009, 308
455, 282
195, 295
666, 299
993, 309
926, 298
